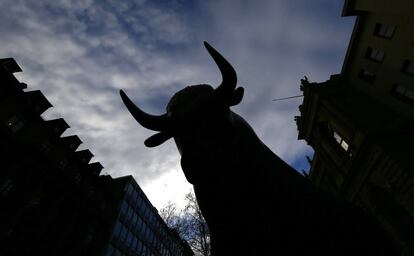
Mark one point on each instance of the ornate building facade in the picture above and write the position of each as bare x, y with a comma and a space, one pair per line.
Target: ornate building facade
360, 122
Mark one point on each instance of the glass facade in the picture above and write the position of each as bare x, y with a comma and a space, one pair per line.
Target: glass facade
139, 230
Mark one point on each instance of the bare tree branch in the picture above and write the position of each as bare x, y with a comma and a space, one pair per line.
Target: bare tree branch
189, 224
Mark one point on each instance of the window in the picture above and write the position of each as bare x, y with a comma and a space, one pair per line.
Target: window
152, 238
6, 187
117, 228
139, 223
130, 237
15, 123
124, 233
366, 76
45, 147
147, 234
134, 220
124, 209
90, 235
130, 189
139, 201
117, 253
408, 67
130, 214
162, 249
402, 92
143, 230
109, 250
142, 209
384, 30
139, 246
144, 250
147, 212
62, 164
375, 54
77, 179
134, 243
344, 145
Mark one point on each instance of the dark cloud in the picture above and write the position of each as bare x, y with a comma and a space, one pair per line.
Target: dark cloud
80, 53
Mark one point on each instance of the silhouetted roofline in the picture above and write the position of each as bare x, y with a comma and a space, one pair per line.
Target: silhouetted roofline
37, 101
72, 141
10, 65
84, 155
58, 126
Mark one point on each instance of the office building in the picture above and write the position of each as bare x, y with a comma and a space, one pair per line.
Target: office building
137, 228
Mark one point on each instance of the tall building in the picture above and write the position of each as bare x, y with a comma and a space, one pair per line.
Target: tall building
137, 228
53, 201
360, 122
45, 184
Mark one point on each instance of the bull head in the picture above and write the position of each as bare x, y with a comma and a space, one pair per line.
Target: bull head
193, 106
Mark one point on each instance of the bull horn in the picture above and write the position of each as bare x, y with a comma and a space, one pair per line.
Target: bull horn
155, 123
228, 73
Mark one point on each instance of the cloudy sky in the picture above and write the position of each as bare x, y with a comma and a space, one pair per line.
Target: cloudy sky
79, 53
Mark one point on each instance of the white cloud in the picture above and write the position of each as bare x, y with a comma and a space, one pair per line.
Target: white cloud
169, 186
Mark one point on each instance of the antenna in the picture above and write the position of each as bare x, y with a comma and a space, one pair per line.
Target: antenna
305, 79
286, 98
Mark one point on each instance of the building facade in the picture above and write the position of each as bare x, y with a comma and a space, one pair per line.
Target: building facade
360, 122
45, 183
137, 228
53, 201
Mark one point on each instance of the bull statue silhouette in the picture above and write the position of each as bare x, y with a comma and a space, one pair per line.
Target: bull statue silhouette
253, 202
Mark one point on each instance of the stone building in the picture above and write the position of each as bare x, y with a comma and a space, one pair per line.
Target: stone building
360, 122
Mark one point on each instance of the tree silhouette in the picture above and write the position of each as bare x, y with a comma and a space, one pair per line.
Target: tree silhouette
189, 223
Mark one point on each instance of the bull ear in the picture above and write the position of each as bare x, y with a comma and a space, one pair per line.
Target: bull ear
157, 139
236, 96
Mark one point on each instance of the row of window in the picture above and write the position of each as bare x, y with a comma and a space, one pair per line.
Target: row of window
136, 200
403, 93
138, 219
136, 204
397, 90
377, 55
137, 240
128, 239
140, 250
387, 31
136, 225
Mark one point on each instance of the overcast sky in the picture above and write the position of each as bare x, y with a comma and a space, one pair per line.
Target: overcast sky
79, 53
